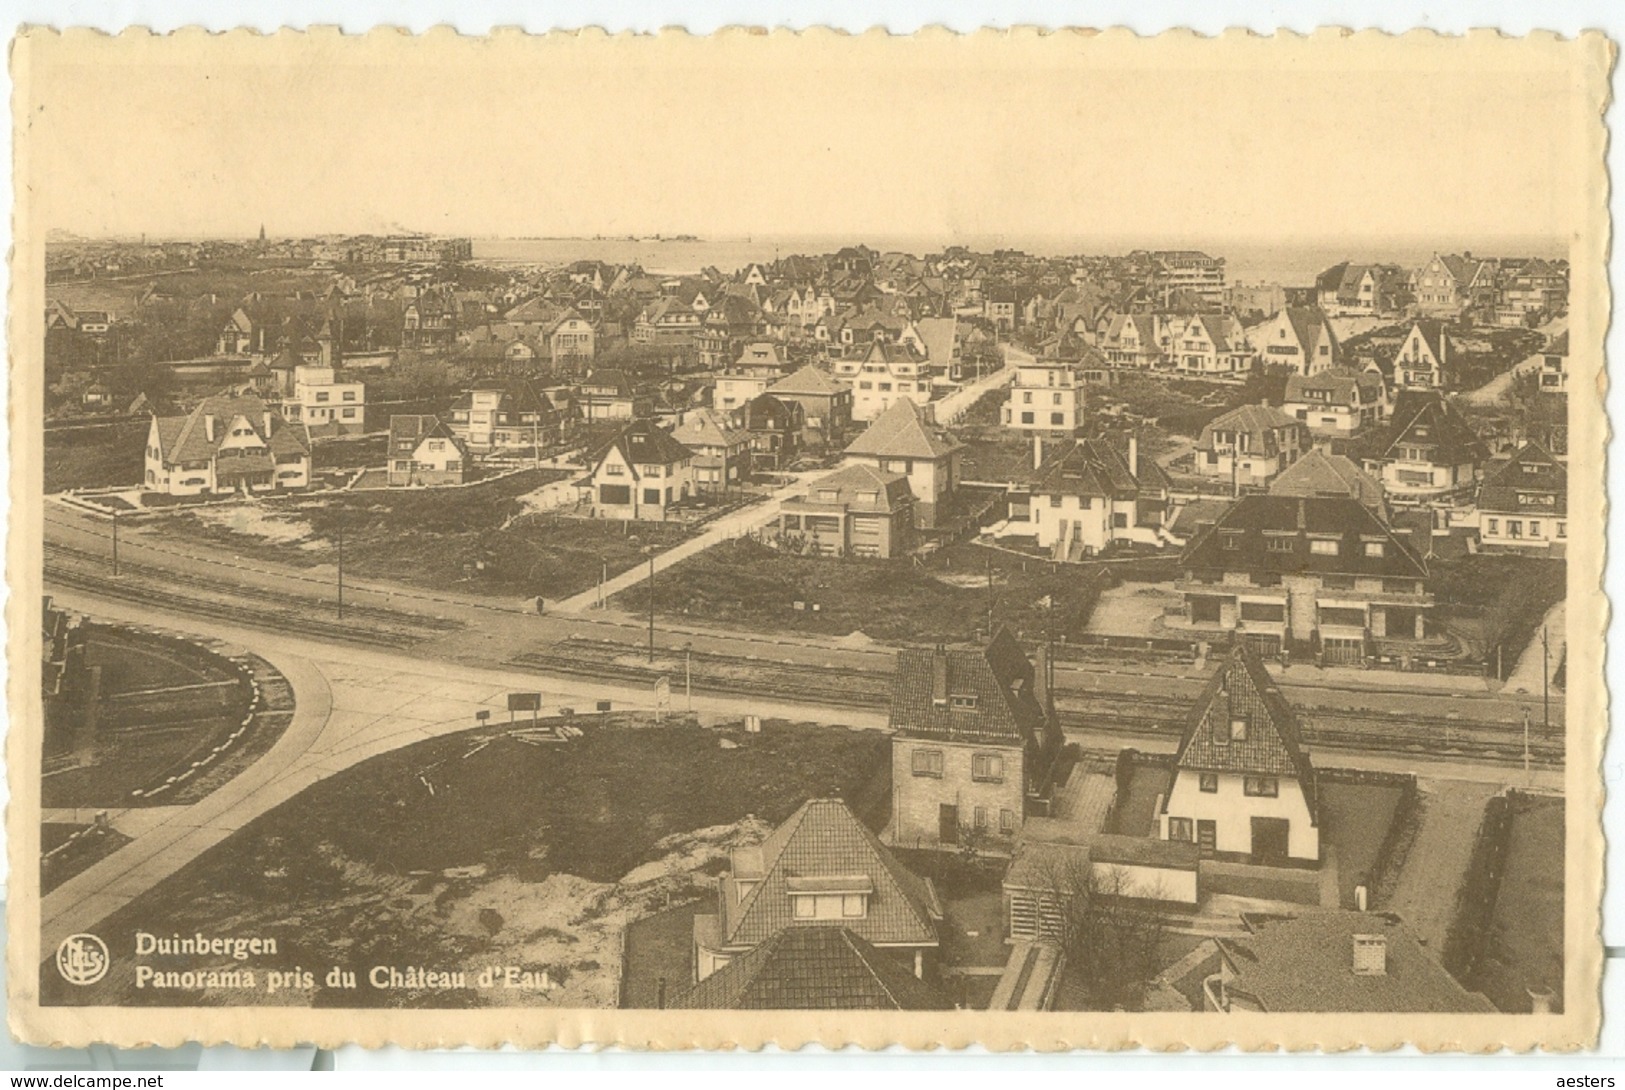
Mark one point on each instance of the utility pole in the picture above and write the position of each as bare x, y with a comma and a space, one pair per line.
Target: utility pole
1526, 774
115, 544
340, 512
1546, 678
688, 675
990, 597
651, 605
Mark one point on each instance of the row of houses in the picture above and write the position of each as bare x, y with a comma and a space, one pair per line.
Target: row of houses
824, 913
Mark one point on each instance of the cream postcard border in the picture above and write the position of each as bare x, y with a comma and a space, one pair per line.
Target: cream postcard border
1588, 60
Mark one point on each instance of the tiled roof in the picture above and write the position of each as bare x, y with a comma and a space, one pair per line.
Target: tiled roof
807, 381
1253, 519
702, 428
1093, 467
1425, 418
185, 438
1305, 963
1321, 474
998, 679
1308, 326
824, 839
901, 431
854, 483
643, 442
1258, 422
814, 968
1342, 383
1519, 485
1241, 689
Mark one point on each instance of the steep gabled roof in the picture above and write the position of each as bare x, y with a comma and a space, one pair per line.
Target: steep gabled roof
814, 968
1341, 382
1524, 483
901, 431
1256, 421
185, 438
1242, 690
703, 428
853, 484
1093, 467
1309, 326
1424, 417
643, 442
996, 685
822, 840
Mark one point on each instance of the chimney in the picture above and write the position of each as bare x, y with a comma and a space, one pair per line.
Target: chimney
1038, 450
1370, 955
208, 426
1133, 456
939, 675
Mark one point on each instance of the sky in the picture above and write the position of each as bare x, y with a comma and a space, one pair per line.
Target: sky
1241, 139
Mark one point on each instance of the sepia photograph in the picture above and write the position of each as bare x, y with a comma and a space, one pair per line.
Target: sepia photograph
1067, 538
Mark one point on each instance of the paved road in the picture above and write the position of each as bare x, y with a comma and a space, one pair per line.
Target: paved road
734, 525
953, 406
499, 630
1436, 864
351, 704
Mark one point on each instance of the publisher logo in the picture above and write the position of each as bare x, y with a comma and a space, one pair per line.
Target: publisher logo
82, 959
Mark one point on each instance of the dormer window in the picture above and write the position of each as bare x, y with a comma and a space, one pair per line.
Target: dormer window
963, 702
835, 897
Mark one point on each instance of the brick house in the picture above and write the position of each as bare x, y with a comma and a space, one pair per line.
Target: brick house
1243, 784
975, 739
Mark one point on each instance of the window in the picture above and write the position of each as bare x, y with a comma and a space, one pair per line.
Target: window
1027, 397
1210, 783
987, 768
1495, 526
1562, 529
1261, 787
1279, 544
979, 816
928, 762
854, 905
1055, 501
1055, 399
1374, 548
1230, 541
1007, 822
1182, 829
1120, 520
1057, 419
964, 702
804, 907
349, 414
1026, 418
651, 495
1238, 730
1534, 527
1323, 547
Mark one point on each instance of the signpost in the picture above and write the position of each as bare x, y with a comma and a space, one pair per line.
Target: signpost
524, 702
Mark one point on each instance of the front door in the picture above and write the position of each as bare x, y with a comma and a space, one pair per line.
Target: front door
948, 823
1207, 837
1270, 839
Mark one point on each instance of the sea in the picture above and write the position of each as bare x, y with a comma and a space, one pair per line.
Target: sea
1290, 263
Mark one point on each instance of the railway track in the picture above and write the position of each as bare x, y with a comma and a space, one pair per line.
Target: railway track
1137, 717
380, 628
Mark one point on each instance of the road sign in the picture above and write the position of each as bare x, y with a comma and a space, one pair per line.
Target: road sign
524, 702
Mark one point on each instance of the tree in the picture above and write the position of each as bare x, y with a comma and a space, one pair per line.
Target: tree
1108, 929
